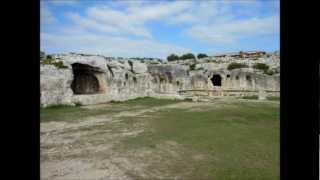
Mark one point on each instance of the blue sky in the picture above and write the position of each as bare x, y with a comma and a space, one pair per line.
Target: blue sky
158, 28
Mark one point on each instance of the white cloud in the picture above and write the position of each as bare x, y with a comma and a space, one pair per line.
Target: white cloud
46, 16
232, 31
201, 12
105, 28
82, 41
130, 22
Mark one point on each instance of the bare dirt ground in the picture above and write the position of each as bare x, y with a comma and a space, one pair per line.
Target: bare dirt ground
84, 148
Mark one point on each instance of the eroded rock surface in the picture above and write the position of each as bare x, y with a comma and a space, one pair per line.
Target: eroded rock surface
101, 79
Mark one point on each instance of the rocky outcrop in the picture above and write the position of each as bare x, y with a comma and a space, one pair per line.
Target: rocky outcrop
97, 79
55, 85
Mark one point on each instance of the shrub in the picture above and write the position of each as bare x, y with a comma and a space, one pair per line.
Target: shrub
269, 72
236, 66
201, 55
47, 61
173, 57
58, 64
261, 66
187, 56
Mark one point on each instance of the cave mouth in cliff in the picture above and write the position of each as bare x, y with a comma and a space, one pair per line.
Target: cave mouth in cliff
216, 80
85, 79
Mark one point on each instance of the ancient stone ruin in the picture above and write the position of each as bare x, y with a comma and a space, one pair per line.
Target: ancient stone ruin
93, 79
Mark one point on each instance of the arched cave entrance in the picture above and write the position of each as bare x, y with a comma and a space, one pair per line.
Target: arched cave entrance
85, 79
216, 80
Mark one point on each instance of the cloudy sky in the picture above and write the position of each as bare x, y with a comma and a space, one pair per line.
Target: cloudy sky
132, 28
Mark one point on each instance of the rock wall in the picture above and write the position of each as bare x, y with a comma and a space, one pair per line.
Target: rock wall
95, 79
55, 85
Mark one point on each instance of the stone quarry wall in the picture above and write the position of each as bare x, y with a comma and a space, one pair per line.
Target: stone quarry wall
95, 79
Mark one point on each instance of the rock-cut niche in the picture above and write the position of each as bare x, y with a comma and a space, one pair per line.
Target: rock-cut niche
216, 80
87, 79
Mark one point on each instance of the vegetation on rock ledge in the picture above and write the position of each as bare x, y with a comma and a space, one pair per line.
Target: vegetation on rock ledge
236, 66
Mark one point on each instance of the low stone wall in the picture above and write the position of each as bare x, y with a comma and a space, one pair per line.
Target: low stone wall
224, 92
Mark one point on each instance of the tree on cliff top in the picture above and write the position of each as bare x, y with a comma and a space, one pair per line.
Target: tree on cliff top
202, 55
187, 56
173, 57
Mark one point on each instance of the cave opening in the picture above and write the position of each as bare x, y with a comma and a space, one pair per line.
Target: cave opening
216, 80
85, 79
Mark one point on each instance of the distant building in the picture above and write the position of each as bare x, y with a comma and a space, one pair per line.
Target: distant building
251, 54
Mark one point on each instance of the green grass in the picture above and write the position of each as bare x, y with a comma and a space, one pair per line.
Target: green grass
78, 112
224, 140
238, 141
150, 102
64, 113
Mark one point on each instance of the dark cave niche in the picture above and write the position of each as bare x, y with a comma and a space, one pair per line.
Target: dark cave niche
85, 80
216, 80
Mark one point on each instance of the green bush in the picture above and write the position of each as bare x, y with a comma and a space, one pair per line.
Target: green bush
58, 64
201, 55
269, 72
187, 56
264, 68
173, 57
261, 66
236, 66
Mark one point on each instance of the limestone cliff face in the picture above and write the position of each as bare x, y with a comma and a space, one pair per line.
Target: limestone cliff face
55, 85
96, 79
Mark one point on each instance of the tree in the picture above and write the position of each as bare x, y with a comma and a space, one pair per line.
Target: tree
187, 56
173, 57
201, 55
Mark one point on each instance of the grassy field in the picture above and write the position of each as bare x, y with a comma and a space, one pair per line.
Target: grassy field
74, 113
223, 140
